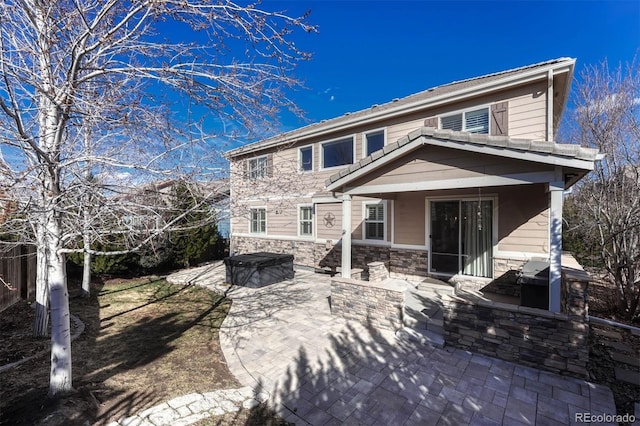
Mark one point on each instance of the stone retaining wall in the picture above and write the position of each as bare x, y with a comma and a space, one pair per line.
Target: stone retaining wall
374, 304
622, 344
557, 342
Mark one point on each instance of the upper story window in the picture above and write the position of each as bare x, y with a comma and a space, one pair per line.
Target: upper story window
373, 141
374, 221
337, 153
305, 155
472, 121
257, 167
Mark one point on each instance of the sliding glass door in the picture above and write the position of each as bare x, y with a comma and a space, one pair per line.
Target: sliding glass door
462, 237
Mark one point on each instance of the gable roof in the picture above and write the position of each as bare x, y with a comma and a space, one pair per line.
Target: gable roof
544, 152
422, 100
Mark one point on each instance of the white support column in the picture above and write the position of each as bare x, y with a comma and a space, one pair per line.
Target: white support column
555, 245
346, 236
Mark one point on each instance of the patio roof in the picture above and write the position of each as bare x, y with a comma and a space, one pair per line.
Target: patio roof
545, 152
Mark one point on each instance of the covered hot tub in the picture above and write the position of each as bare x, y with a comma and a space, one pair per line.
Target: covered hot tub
258, 269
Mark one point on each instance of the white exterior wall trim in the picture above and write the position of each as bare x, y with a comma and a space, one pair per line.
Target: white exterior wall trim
417, 247
482, 181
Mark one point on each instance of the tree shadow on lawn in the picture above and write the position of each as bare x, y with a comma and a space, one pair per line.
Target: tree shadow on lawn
118, 353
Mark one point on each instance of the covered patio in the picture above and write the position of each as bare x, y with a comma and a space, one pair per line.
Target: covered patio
450, 196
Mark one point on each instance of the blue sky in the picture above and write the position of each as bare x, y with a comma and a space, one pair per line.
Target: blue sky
369, 52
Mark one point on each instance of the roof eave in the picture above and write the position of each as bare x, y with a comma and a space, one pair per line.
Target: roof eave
564, 65
435, 138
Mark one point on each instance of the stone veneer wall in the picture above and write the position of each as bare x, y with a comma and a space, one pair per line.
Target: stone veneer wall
306, 253
409, 262
374, 304
314, 255
557, 342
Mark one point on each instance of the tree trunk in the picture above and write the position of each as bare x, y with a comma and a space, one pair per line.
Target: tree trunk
86, 239
41, 324
86, 275
86, 219
60, 376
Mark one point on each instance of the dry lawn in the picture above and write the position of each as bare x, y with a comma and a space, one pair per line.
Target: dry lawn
145, 341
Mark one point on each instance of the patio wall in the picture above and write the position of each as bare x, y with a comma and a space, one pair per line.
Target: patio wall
372, 303
557, 342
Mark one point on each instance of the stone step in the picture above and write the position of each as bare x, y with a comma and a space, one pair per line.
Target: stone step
436, 325
424, 337
421, 311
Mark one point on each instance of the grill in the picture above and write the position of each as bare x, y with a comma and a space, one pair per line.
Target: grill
534, 284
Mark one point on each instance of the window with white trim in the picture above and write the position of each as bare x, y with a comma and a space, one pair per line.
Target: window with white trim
374, 221
257, 167
337, 153
258, 220
373, 141
473, 121
306, 158
305, 221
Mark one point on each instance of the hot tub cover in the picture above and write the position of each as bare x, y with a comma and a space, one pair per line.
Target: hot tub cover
260, 259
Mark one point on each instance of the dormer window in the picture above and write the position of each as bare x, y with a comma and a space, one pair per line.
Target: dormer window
472, 121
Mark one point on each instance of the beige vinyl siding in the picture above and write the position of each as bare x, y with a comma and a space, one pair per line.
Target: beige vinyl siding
282, 221
409, 217
528, 114
324, 230
523, 216
523, 219
400, 130
240, 225
431, 163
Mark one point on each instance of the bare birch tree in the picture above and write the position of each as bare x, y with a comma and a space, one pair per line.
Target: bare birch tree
73, 66
606, 205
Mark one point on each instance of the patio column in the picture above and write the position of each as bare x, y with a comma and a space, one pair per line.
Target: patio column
346, 236
555, 245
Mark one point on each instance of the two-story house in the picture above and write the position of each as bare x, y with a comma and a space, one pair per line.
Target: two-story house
462, 179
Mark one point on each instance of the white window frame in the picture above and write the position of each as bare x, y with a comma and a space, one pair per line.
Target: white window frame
384, 205
312, 220
265, 171
300, 170
322, 144
464, 112
470, 197
365, 142
251, 209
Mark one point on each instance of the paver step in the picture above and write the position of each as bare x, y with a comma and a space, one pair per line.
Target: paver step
424, 337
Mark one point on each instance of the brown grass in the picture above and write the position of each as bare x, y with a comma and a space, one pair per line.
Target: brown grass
145, 341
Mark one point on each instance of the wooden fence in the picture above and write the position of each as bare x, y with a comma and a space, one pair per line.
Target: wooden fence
18, 274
